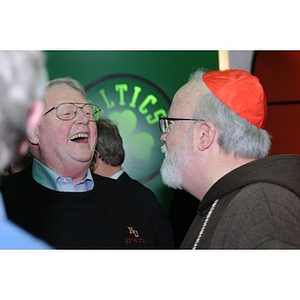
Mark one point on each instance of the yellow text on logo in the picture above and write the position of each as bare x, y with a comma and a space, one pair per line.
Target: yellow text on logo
150, 99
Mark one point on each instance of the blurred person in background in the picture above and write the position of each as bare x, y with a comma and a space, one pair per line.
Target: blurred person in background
22, 79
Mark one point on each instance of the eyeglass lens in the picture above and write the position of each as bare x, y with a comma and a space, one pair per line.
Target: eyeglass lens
67, 111
163, 125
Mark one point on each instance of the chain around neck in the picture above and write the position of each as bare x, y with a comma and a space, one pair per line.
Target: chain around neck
205, 224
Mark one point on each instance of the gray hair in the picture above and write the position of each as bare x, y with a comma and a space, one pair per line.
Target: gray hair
73, 83
22, 80
236, 135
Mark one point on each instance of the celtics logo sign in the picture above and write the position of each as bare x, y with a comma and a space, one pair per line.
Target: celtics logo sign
134, 104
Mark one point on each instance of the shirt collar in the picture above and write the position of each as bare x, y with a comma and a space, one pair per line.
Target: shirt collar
50, 179
117, 175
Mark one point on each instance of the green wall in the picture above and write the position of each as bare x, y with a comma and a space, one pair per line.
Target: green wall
132, 88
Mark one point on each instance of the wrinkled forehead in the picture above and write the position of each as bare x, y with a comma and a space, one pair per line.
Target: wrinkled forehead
61, 93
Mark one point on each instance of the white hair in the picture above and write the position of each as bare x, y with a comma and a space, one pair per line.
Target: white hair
23, 78
236, 135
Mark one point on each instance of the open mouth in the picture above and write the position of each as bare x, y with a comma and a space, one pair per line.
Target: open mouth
80, 137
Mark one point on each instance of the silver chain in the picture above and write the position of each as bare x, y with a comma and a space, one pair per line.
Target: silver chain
205, 224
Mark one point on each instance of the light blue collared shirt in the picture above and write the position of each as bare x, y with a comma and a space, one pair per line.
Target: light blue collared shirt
50, 179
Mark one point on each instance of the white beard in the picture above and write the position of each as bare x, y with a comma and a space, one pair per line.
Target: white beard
171, 167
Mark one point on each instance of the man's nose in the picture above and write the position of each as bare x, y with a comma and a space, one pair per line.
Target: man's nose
81, 116
163, 137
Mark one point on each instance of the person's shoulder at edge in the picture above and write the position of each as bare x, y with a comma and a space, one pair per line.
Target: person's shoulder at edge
13, 237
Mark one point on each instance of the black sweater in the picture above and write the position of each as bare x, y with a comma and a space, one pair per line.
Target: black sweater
160, 222
108, 217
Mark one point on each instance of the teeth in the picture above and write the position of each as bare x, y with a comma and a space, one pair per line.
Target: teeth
79, 136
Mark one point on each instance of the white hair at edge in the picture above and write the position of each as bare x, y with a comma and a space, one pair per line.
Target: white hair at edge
22, 80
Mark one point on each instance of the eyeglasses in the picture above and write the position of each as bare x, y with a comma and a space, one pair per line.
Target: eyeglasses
164, 122
67, 111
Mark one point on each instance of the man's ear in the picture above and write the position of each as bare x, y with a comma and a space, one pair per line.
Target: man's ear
33, 120
205, 135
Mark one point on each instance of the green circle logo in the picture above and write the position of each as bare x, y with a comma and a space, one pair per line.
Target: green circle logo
134, 103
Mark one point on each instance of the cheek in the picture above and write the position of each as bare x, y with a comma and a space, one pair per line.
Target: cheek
93, 135
174, 139
54, 133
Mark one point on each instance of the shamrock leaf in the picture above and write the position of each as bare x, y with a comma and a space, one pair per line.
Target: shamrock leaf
138, 145
126, 121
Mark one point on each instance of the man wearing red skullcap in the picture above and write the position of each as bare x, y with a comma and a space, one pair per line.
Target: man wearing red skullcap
216, 149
